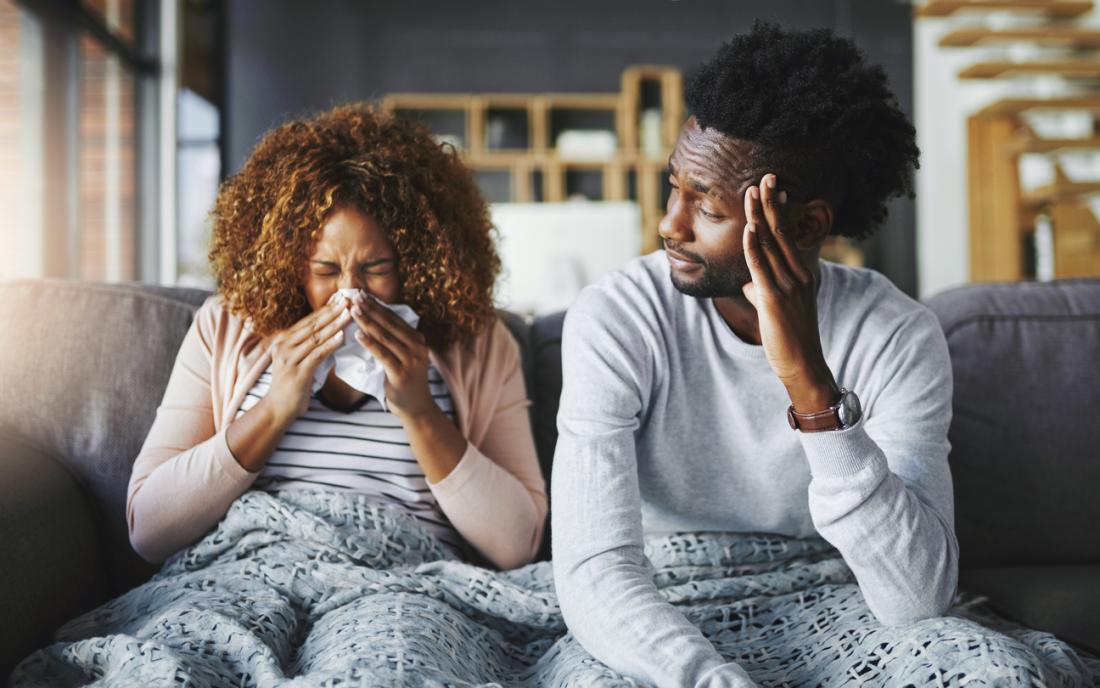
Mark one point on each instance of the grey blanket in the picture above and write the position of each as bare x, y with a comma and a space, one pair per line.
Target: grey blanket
326, 589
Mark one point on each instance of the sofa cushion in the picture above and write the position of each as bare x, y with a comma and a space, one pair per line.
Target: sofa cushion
1063, 600
520, 331
545, 343
83, 371
1026, 361
546, 361
53, 560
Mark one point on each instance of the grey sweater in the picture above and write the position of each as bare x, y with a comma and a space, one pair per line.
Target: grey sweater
669, 422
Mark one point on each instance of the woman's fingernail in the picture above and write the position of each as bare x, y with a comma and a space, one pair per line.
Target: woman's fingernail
357, 311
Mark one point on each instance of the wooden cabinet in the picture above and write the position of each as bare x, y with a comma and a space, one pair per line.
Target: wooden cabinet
511, 140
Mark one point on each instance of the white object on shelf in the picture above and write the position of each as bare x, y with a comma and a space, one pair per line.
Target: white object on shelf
1044, 249
1035, 170
649, 131
1058, 124
550, 251
586, 144
1080, 166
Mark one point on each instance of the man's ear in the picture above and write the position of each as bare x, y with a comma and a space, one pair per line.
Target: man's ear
815, 223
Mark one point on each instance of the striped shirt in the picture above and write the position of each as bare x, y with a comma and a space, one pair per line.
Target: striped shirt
365, 451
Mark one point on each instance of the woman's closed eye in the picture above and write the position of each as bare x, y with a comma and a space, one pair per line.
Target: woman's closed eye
381, 268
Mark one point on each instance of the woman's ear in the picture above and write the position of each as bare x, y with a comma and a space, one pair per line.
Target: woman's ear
815, 223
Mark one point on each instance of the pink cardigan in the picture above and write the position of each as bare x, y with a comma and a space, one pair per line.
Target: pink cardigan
185, 477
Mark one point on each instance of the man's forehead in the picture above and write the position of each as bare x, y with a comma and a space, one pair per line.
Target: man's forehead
720, 162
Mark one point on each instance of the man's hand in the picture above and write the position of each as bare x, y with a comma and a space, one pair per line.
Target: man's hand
784, 291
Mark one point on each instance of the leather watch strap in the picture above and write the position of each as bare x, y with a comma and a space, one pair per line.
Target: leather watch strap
829, 419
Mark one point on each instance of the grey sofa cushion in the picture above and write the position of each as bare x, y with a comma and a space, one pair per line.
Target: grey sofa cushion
52, 560
520, 331
1063, 600
1024, 459
546, 361
545, 344
83, 370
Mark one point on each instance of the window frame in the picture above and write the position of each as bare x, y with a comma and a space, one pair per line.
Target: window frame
63, 24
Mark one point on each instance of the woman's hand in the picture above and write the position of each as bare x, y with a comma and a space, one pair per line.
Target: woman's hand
295, 354
403, 353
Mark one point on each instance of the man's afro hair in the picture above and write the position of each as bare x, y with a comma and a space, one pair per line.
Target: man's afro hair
816, 114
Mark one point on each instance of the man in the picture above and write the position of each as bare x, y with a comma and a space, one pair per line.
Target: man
716, 386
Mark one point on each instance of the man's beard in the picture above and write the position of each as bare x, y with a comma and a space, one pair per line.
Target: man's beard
718, 280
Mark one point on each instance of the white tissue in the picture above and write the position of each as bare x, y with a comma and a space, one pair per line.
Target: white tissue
354, 364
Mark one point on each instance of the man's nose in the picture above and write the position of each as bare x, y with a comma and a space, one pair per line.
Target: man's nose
676, 224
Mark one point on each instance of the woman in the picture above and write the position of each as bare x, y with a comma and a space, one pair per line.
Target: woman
351, 199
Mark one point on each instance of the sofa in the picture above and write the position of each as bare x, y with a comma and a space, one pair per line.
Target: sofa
83, 367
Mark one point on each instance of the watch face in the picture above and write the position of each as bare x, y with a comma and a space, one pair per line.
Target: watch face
849, 409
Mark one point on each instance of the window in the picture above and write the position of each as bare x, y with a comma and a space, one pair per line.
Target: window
78, 140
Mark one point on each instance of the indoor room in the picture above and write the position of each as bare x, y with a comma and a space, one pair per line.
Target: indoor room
574, 343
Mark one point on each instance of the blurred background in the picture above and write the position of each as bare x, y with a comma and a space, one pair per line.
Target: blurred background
119, 118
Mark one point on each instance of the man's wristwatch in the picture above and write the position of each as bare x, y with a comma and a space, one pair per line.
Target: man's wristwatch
842, 415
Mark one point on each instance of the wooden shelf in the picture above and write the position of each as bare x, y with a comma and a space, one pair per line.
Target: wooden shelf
670, 82
1004, 216
1068, 36
1039, 145
1057, 192
1062, 9
1076, 240
538, 172
1015, 106
1078, 69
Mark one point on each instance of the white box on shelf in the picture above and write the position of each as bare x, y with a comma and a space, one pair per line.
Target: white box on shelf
586, 144
550, 251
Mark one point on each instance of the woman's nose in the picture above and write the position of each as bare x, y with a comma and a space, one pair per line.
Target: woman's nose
351, 281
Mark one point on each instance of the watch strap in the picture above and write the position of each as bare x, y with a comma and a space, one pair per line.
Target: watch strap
819, 421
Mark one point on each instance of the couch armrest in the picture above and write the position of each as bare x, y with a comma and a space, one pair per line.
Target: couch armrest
53, 567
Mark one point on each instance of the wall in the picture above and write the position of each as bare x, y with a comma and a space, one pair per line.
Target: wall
285, 57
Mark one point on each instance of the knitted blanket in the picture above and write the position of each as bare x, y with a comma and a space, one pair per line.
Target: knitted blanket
326, 589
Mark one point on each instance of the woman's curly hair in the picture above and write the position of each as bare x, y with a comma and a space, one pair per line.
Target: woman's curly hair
816, 114
267, 219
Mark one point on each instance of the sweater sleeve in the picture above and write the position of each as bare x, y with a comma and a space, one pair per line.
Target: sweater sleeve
185, 477
496, 497
603, 579
881, 491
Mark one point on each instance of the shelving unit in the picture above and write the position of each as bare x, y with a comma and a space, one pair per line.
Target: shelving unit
510, 140
1061, 36
1003, 216
1001, 69
1057, 9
